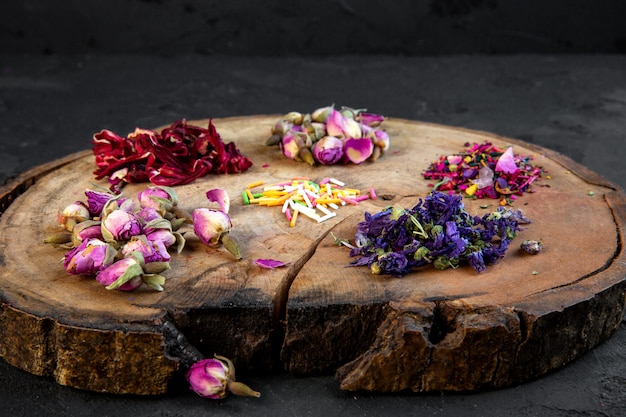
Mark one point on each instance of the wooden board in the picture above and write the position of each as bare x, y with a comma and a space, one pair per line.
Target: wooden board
430, 330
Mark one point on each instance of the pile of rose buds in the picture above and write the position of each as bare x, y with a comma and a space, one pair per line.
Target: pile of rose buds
124, 247
329, 136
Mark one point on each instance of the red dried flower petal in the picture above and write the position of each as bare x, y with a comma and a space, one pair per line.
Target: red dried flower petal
178, 155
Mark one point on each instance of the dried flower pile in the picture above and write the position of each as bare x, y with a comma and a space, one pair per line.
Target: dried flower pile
124, 247
484, 171
436, 231
329, 136
177, 155
316, 200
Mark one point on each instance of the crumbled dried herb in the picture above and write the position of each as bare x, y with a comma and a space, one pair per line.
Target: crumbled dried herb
437, 231
484, 171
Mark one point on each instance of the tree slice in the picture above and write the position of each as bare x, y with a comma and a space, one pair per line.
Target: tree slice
430, 330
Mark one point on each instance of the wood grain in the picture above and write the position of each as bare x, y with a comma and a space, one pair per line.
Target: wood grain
431, 330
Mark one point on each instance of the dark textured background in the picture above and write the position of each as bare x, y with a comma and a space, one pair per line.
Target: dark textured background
298, 27
549, 72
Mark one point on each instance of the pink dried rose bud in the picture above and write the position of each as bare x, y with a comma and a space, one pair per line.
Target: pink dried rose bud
89, 229
212, 228
73, 214
128, 274
96, 200
209, 225
160, 198
215, 378
358, 150
290, 145
328, 150
341, 126
150, 251
124, 275
89, 258
321, 115
120, 225
369, 119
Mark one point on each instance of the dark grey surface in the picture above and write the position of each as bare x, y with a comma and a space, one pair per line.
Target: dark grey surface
576, 105
321, 27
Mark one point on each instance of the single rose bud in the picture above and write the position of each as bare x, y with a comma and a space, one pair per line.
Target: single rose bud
289, 145
120, 225
321, 115
209, 225
89, 229
215, 378
370, 119
89, 258
328, 150
160, 198
150, 252
96, 200
73, 214
340, 126
125, 274
293, 117
358, 150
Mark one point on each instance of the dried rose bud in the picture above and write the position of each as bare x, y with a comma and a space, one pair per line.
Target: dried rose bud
358, 150
160, 198
369, 119
124, 275
72, 214
289, 145
531, 246
89, 258
151, 252
340, 126
120, 225
321, 115
89, 229
96, 200
209, 225
215, 378
328, 150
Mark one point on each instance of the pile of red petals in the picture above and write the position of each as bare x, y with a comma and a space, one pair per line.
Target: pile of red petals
177, 155
484, 171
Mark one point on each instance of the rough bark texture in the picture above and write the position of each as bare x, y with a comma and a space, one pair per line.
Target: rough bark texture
431, 330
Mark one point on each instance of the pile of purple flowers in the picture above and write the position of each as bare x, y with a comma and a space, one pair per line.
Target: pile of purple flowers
329, 136
124, 247
436, 231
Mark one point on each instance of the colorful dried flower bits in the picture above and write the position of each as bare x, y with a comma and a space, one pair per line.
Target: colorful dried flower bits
485, 171
177, 155
329, 136
438, 231
319, 201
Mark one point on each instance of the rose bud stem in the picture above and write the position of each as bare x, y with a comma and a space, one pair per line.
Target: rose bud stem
241, 389
58, 238
231, 244
307, 156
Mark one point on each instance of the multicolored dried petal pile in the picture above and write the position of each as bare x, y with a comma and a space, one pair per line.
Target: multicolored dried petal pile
329, 136
485, 171
177, 155
436, 231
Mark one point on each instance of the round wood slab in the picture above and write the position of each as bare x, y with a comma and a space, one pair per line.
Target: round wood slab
430, 330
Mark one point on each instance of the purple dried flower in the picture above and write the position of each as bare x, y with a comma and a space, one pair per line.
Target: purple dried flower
436, 230
328, 150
